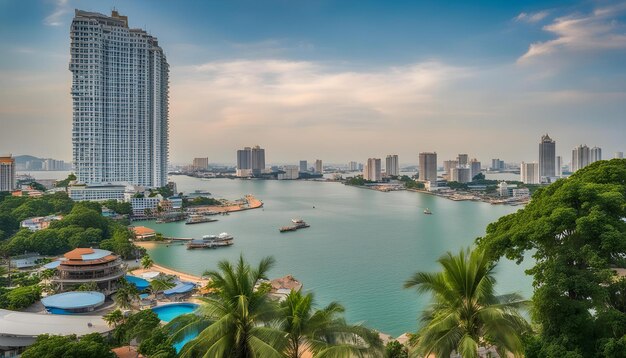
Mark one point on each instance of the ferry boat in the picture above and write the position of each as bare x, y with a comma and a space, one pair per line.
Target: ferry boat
211, 241
297, 224
197, 219
427, 211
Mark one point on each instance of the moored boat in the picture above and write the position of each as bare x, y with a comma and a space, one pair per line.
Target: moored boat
197, 219
427, 211
211, 241
297, 224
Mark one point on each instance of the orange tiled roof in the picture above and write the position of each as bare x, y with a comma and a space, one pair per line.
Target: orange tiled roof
77, 254
142, 230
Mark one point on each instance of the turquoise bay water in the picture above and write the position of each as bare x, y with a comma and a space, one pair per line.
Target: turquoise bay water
361, 246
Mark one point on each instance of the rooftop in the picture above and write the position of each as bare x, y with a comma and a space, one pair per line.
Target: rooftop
74, 300
27, 324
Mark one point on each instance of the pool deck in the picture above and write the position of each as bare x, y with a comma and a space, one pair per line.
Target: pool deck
201, 282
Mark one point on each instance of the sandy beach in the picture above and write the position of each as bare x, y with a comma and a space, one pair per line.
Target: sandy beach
168, 271
249, 202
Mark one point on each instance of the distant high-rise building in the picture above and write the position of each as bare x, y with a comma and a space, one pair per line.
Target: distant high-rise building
497, 164
529, 173
463, 159
201, 163
319, 169
53, 164
618, 155
391, 165
580, 157
304, 166
428, 167
595, 154
559, 166
257, 160
120, 93
475, 167
449, 164
244, 162
7, 173
372, 170
353, 166
461, 174
547, 158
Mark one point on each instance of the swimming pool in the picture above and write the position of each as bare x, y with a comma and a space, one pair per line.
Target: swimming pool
167, 313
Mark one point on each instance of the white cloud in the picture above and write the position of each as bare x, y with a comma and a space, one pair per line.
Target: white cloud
55, 18
598, 30
531, 17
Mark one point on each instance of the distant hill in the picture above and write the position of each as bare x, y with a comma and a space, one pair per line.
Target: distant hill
23, 159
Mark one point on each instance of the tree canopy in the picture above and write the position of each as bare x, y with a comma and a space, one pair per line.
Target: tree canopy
576, 233
91, 345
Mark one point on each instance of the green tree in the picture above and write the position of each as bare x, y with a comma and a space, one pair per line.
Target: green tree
157, 345
125, 295
22, 297
47, 346
324, 331
161, 283
394, 349
575, 231
146, 261
65, 182
237, 314
466, 314
114, 318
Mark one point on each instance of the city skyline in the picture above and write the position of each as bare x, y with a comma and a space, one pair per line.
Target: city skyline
241, 76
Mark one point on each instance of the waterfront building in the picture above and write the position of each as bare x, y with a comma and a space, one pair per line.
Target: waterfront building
391, 165
145, 206
291, 172
98, 192
559, 167
547, 158
463, 159
460, 174
529, 173
86, 265
503, 189
475, 167
372, 170
428, 166
618, 155
497, 164
595, 154
142, 232
244, 162
257, 160
304, 166
120, 93
580, 157
319, 169
521, 193
201, 163
7, 173
449, 164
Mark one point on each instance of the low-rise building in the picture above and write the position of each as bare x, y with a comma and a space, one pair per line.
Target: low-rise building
142, 232
521, 193
97, 192
25, 261
40, 222
144, 205
291, 172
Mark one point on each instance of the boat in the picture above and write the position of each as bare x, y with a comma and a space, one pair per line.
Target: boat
427, 212
211, 241
197, 219
297, 224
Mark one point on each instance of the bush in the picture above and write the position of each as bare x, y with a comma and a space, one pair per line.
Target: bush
22, 297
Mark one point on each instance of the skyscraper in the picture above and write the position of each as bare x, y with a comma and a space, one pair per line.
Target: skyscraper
353, 166
497, 164
201, 163
318, 166
448, 165
529, 173
7, 173
428, 167
595, 154
460, 174
580, 157
391, 165
304, 166
475, 167
257, 160
372, 170
559, 166
463, 159
547, 158
120, 93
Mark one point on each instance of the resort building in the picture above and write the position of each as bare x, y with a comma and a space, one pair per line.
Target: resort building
145, 206
97, 192
120, 94
142, 232
40, 222
86, 265
7, 173
428, 167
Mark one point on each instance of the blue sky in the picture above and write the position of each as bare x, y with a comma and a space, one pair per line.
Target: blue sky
342, 80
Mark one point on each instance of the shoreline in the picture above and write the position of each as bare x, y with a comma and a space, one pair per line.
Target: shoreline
201, 282
251, 202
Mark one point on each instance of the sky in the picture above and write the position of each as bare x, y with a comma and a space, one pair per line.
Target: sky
342, 80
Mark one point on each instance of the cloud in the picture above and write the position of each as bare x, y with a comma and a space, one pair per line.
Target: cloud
55, 18
595, 31
531, 17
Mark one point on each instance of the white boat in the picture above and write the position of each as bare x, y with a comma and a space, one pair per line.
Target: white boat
427, 212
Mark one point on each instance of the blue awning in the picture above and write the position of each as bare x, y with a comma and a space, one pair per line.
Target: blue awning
181, 287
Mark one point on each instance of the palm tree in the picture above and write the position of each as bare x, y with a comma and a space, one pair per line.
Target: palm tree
239, 315
113, 318
466, 314
161, 283
126, 294
324, 332
146, 261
